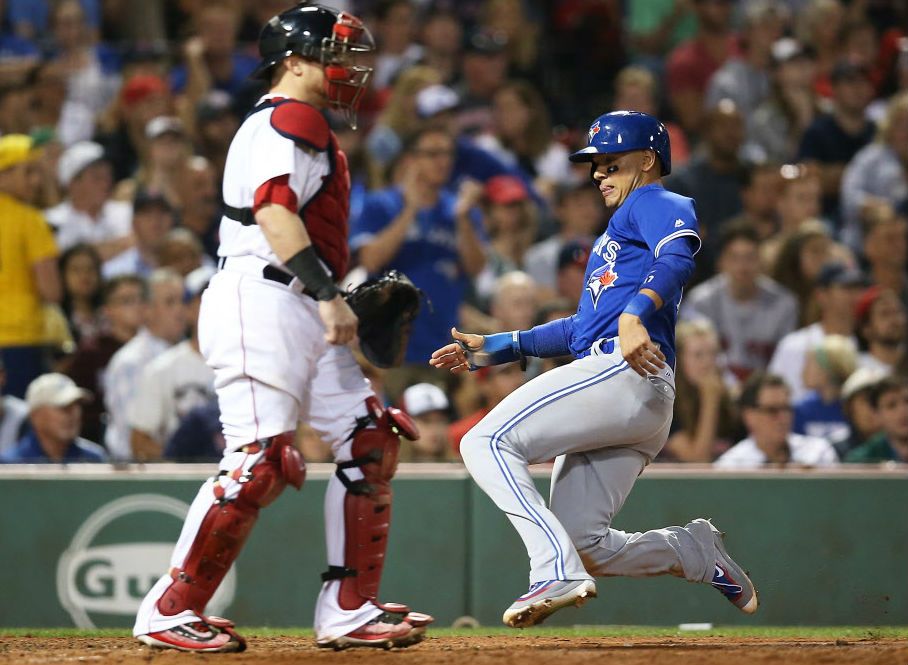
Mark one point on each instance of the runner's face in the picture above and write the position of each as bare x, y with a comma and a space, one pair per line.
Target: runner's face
620, 173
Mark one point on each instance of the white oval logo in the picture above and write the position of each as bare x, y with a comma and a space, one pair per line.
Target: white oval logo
113, 579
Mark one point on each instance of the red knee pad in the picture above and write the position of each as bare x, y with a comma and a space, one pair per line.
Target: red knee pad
367, 506
227, 525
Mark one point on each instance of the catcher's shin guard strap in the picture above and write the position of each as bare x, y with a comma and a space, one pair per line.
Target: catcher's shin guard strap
367, 505
227, 525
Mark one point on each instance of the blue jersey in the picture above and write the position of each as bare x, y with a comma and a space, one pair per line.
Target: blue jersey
642, 228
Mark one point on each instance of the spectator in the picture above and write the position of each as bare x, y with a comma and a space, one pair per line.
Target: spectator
29, 277
211, 57
521, 136
802, 255
713, 176
395, 29
53, 109
692, 64
820, 29
777, 125
834, 138
878, 170
760, 185
168, 150
890, 400
744, 79
828, 364
215, 123
30, 18
427, 232
571, 277
656, 27
55, 414
580, 218
857, 402
881, 325
705, 421
121, 304
427, 405
164, 326
750, 311
484, 70
13, 416
836, 293
200, 200
198, 436
886, 248
80, 272
15, 106
152, 220
494, 384
88, 215
509, 18
172, 384
182, 251
510, 221
636, 90
765, 405
514, 303
797, 201
442, 37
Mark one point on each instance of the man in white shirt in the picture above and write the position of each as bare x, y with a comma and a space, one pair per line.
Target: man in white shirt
767, 413
173, 384
152, 220
88, 215
837, 292
165, 325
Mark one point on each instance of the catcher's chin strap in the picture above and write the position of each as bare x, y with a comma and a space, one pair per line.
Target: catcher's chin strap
227, 524
367, 505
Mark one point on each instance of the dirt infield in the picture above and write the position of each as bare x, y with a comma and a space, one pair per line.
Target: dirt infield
477, 651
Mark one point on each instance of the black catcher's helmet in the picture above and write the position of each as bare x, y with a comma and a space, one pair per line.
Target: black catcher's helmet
327, 36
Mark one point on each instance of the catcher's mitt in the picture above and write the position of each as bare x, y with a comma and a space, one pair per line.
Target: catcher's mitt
386, 307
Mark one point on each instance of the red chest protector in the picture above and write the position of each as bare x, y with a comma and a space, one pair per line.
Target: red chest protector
327, 213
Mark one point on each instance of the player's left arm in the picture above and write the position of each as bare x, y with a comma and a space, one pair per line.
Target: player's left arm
669, 228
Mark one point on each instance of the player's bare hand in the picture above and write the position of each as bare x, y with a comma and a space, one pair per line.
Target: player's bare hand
452, 356
638, 349
340, 321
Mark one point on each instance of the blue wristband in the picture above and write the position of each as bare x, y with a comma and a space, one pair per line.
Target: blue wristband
496, 349
641, 305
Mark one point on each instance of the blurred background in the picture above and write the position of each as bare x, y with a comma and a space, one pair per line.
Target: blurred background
789, 127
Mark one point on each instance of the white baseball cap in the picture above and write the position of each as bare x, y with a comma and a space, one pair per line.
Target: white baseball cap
435, 99
862, 378
76, 159
54, 390
422, 398
163, 124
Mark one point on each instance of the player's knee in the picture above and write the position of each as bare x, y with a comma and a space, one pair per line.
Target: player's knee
282, 465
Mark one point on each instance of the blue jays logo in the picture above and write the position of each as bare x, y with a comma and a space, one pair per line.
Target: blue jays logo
594, 130
600, 280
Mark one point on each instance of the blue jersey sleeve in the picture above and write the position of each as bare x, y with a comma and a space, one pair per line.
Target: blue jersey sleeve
661, 217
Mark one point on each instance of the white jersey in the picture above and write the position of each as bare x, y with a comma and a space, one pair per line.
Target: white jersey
73, 226
257, 154
806, 450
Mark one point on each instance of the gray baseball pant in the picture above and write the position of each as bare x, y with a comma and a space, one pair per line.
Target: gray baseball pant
604, 423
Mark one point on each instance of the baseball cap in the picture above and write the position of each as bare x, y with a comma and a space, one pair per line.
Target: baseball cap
866, 301
422, 398
15, 149
485, 42
138, 88
163, 124
148, 199
839, 274
197, 281
76, 159
505, 189
861, 379
54, 390
574, 253
215, 104
435, 99
786, 49
847, 70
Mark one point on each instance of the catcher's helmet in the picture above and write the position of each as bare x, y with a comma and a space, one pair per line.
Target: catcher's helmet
622, 131
324, 35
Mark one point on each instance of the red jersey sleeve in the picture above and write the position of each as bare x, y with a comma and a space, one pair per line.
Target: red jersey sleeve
277, 190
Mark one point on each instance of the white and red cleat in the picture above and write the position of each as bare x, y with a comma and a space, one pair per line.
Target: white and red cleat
396, 627
211, 635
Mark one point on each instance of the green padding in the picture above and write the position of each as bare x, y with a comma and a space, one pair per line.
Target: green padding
822, 551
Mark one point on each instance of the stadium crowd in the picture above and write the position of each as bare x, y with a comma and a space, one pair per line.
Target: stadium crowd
789, 127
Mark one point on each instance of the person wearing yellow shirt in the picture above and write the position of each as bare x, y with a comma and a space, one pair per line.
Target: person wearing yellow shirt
29, 278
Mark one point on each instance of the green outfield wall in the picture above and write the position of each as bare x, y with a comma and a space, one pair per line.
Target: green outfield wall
81, 546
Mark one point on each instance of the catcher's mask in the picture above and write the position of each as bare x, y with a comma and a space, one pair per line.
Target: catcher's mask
325, 35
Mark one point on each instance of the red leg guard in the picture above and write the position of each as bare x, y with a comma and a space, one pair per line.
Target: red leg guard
367, 506
227, 524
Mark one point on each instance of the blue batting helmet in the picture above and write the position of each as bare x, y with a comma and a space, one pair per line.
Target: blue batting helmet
621, 131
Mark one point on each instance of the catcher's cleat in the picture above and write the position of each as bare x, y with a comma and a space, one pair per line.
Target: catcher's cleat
386, 631
211, 635
545, 598
730, 579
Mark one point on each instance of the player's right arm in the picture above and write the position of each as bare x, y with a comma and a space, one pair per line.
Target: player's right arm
286, 234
